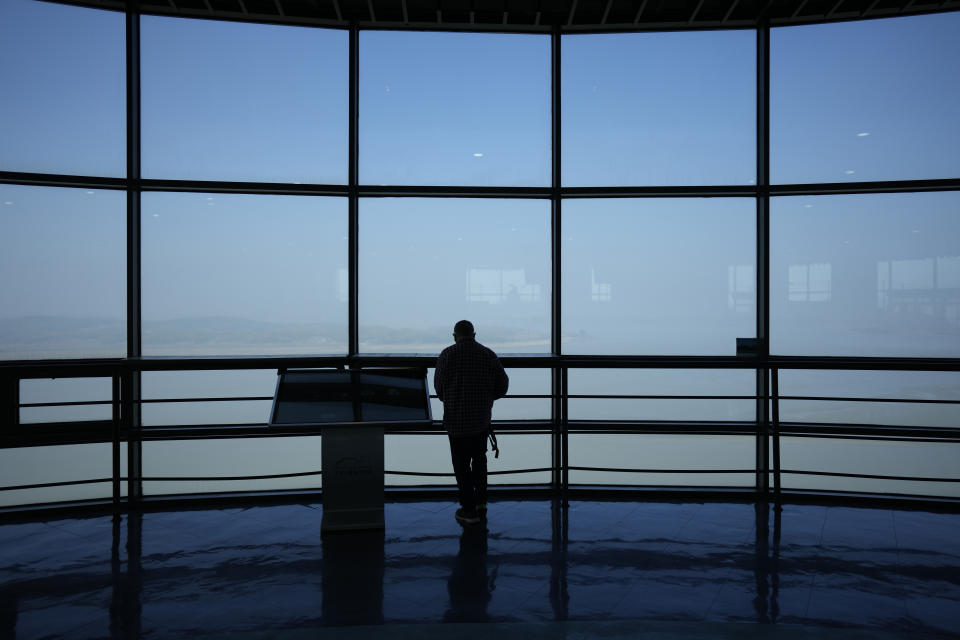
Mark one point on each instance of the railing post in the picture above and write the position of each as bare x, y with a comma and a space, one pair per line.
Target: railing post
116, 417
559, 374
564, 434
763, 432
763, 258
775, 429
9, 401
130, 411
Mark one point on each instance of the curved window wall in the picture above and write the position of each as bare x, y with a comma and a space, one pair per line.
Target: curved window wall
603, 206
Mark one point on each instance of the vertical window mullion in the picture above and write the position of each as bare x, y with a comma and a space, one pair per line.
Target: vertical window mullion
763, 256
131, 407
353, 250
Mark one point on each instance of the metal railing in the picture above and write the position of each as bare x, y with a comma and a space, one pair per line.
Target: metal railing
125, 426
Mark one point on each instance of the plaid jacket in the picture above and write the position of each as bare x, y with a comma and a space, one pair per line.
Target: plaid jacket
469, 377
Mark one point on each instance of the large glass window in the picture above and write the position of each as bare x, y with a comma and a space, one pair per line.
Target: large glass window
63, 260
929, 390
668, 452
867, 100
63, 82
243, 274
71, 463
181, 386
663, 382
454, 108
659, 108
57, 390
866, 275
226, 458
426, 263
247, 102
658, 275
871, 457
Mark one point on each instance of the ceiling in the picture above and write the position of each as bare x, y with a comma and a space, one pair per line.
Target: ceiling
533, 15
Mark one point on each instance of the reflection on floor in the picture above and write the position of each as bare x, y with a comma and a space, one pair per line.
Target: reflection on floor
535, 570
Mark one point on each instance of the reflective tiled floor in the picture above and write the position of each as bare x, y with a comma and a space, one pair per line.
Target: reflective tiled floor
535, 570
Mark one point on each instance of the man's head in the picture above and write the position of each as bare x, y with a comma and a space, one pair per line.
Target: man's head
463, 329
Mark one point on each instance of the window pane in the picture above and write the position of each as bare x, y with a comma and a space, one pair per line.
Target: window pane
430, 453
649, 451
243, 274
427, 263
65, 463
659, 108
234, 101
227, 458
166, 385
66, 390
873, 457
914, 385
866, 275
63, 256
63, 73
658, 275
865, 100
454, 108
661, 382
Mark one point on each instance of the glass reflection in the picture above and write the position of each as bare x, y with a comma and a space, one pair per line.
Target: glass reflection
426, 263
658, 275
866, 275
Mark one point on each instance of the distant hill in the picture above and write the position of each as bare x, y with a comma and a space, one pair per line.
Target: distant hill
36, 337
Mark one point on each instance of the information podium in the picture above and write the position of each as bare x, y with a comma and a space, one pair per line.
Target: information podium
351, 409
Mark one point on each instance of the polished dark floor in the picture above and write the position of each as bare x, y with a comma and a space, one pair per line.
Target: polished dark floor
597, 569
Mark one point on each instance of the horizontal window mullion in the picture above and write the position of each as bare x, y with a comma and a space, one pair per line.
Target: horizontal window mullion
880, 186
62, 180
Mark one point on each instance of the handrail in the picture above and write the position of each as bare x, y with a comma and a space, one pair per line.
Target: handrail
108, 366
51, 433
276, 476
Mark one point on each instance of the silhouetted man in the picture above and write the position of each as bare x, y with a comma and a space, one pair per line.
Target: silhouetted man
469, 377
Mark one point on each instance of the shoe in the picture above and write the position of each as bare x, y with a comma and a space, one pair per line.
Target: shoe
466, 517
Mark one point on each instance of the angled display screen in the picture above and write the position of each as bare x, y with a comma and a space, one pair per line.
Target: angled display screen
309, 397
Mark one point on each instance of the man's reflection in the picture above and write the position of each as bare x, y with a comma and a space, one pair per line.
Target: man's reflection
470, 584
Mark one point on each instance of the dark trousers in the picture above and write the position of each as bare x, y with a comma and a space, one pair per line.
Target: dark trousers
469, 455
